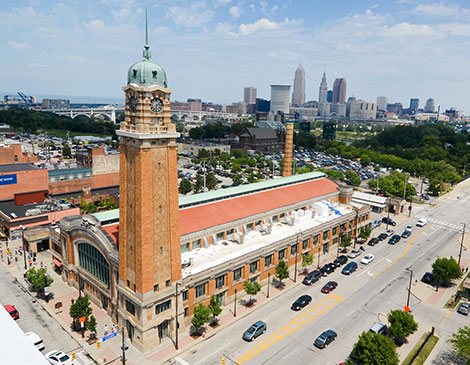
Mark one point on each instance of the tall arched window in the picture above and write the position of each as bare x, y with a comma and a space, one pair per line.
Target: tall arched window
91, 259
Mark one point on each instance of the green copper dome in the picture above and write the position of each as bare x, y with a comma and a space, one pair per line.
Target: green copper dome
146, 72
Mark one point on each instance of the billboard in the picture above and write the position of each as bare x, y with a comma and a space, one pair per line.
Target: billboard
8, 179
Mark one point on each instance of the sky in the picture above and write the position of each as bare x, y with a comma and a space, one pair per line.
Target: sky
211, 49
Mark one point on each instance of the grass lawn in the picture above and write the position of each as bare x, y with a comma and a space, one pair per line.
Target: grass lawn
423, 355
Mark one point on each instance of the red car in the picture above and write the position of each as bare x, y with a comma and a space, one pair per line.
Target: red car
12, 311
329, 287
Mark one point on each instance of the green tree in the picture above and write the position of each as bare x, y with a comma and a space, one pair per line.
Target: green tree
461, 343
66, 152
346, 241
198, 185
80, 308
251, 288
201, 316
374, 349
365, 233
185, 186
92, 326
214, 307
446, 270
211, 181
402, 324
282, 271
353, 178
365, 160
237, 179
307, 260
39, 278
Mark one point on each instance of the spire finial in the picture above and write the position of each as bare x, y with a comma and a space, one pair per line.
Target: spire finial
147, 53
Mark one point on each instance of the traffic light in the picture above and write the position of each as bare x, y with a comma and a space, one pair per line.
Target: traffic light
73, 355
98, 344
223, 360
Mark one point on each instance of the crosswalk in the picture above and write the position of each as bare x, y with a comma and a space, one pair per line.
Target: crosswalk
452, 226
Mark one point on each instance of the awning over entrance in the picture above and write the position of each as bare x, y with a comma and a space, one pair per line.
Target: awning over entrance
57, 262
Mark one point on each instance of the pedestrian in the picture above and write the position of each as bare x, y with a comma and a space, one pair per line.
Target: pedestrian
113, 328
105, 329
40, 264
466, 270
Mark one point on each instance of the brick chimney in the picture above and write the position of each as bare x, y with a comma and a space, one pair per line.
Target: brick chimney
288, 147
86, 193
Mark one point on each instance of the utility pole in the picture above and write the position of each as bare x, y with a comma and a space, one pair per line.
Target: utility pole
421, 191
82, 324
388, 212
409, 287
296, 255
377, 187
269, 277
404, 190
204, 170
124, 348
235, 304
461, 243
176, 316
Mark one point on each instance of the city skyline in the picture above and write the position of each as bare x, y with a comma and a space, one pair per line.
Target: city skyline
213, 49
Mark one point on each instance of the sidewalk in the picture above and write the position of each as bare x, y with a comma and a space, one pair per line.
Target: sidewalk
110, 350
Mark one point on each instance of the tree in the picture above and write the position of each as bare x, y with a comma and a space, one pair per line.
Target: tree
198, 185
461, 343
251, 288
282, 271
346, 241
365, 233
211, 181
214, 307
307, 260
66, 150
446, 270
185, 186
353, 178
80, 308
374, 349
92, 326
237, 179
39, 278
402, 324
201, 316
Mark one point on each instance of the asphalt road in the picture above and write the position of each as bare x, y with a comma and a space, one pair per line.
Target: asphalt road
361, 299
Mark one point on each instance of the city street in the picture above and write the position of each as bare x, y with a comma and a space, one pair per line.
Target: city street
361, 299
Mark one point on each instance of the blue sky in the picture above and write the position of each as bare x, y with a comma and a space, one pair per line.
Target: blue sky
211, 49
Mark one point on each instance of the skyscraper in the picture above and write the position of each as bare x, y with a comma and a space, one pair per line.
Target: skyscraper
339, 91
298, 96
382, 103
323, 92
429, 107
414, 104
329, 96
280, 95
249, 95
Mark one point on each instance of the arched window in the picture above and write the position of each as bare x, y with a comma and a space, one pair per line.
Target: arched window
91, 259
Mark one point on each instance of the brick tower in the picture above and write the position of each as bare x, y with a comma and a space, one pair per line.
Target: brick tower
149, 238
288, 149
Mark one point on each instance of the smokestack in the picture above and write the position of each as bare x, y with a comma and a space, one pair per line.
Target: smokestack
289, 145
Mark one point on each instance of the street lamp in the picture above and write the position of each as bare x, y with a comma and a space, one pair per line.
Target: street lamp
176, 316
296, 255
404, 190
235, 304
409, 287
388, 212
269, 277
461, 243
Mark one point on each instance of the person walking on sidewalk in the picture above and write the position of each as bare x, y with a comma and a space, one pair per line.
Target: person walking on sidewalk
113, 328
105, 329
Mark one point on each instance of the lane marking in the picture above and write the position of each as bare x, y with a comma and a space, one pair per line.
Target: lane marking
448, 313
212, 354
181, 361
370, 267
321, 307
403, 254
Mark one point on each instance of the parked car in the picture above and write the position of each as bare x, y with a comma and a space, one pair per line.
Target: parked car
349, 268
301, 302
394, 239
12, 311
382, 236
312, 277
379, 327
36, 340
406, 234
354, 253
329, 287
428, 278
373, 241
422, 222
389, 220
341, 260
58, 358
464, 308
409, 227
256, 329
390, 232
328, 269
367, 259
325, 339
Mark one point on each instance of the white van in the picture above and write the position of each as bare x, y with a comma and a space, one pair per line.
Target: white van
378, 327
422, 222
36, 340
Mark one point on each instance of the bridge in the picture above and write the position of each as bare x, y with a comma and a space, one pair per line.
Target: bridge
109, 113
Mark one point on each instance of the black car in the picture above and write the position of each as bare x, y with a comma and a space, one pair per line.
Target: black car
428, 278
389, 220
406, 234
394, 239
340, 260
382, 236
373, 241
349, 268
325, 339
312, 277
328, 269
301, 302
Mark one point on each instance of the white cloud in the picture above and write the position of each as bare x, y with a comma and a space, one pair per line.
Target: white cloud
19, 45
36, 65
408, 30
195, 15
441, 10
96, 25
235, 12
264, 24
223, 2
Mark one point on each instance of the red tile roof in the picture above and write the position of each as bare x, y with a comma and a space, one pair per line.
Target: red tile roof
205, 216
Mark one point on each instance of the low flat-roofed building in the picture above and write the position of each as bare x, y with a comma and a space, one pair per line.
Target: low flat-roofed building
21, 178
377, 203
193, 149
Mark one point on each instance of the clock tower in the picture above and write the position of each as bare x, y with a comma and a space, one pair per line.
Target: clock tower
149, 238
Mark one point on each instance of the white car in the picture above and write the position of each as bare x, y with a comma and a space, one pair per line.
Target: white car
422, 222
354, 253
367, 259
36, 340
58, 358
409, 227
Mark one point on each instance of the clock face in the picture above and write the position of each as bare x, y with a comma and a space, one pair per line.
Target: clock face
133, 104
156, 105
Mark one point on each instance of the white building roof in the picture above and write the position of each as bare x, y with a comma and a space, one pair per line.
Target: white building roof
369, 199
